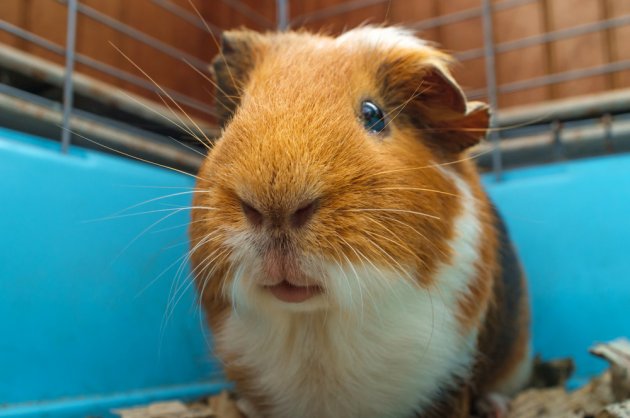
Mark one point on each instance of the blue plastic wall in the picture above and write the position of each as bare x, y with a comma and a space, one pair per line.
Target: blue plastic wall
571, 224
85, 288
83, 302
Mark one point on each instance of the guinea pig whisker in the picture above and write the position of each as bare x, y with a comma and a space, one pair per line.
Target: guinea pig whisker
374, 303
209, 273
156, 278
182, 127
131, 156
205, 141
181, 288
165, 93
496, 129
400, 268
430, 339
216, 42
390, 285
164, 271
142, 186
403, 105
341, 269
209, 268
170, 228
212, 95
127, 215
144, 231
188, 280
155, 199
186, 258
432, 165
421, 235
216, 86
468, 157
179, 259
191, 148
236, 283
417, 189
132, 62
356, 275
397, 241
371, 298
413, 212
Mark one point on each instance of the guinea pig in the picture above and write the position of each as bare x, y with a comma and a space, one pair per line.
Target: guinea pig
348, 259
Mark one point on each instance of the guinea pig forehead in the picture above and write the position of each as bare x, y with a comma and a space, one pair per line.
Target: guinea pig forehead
307, 79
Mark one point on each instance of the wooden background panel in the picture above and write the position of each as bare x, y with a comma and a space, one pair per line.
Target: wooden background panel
167, 71
581, 52
578, 52
265, 7
47, 18
523, 63
619, 41
92, 40
406, 13
226, 16
13, 12
453, 6
410, 13
372, 14
463, 36
403, 12
471, 74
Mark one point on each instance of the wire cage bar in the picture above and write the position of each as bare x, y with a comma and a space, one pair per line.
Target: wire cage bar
68, 82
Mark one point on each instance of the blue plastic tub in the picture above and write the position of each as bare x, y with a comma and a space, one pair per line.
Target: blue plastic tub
86, 290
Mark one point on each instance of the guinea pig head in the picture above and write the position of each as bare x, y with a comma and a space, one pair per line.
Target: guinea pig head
325, 187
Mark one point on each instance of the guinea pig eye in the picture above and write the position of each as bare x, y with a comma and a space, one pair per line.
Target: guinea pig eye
372, 116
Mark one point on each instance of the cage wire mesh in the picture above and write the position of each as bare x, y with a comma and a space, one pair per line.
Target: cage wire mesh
134, 78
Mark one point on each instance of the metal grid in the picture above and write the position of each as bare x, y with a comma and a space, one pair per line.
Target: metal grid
553, 121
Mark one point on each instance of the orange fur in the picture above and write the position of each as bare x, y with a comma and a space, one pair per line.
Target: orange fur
293, 135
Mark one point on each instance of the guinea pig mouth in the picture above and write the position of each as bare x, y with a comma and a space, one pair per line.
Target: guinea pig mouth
290, 293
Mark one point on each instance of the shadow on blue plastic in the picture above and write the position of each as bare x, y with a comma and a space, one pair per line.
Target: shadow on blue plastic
571, 224
87, 290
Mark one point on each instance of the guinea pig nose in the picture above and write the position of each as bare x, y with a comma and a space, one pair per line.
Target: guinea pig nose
300, 217
252, 214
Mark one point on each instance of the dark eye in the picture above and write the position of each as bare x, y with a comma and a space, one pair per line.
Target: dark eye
372, 116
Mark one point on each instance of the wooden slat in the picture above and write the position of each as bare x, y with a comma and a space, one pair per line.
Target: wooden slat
510, 25
14, 12
48, 20
92, 40
620, 36
462, 36
578, 52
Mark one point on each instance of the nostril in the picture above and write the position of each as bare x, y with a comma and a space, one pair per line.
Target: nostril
252, 214
304, 214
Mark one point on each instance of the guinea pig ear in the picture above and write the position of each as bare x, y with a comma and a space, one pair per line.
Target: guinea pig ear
460, 133
232, 66
435, 103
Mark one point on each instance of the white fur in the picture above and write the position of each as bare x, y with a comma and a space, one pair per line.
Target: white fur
383, 348
388, 37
